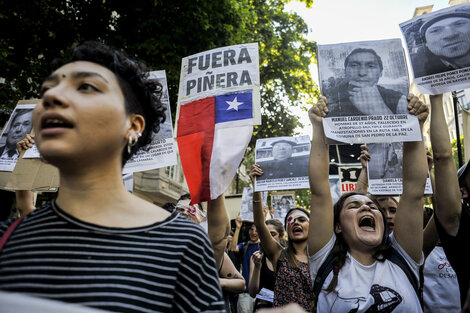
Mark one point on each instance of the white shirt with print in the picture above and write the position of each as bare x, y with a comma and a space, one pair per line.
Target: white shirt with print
380, 287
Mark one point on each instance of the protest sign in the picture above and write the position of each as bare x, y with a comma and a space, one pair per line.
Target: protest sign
19, 124
284, 162
218, 104
438, 45
335, 187
366, 84
246, 210
282, 202
161, 151
385, 169
33, 174
348, 176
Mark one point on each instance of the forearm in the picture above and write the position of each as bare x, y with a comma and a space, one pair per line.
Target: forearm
24, 201
447, 191
318, 161
235, 285
234, 243
253, 284
362, 185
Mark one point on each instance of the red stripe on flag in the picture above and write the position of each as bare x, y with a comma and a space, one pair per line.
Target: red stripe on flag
195, 136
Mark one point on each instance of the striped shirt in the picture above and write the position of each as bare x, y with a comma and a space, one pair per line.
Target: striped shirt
168, 266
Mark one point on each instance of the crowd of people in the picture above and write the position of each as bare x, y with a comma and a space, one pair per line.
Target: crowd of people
99, 246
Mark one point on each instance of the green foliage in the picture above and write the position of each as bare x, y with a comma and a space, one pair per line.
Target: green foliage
160, 33
455, 152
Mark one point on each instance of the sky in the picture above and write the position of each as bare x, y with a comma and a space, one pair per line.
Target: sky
338, 21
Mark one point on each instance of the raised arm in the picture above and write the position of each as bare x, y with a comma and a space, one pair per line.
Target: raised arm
447, 192
408, 229
363, 180
430, 235
234, 243
270, 246
25, 198
255, 272
321, 212
218, 226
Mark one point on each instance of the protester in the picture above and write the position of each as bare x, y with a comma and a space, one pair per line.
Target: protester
388, 203
359, 93
97, 244
363, 278
293, 283
452, 216
245, 250
447, 44
20, 125
262, 270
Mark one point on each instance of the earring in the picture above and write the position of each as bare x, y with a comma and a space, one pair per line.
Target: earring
132, 142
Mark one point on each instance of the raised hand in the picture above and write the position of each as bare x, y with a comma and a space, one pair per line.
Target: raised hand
318, 111
255, 171
418, 108
238, 222
365, 156
26, 143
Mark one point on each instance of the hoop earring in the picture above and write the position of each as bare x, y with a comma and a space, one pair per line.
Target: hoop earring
132, 142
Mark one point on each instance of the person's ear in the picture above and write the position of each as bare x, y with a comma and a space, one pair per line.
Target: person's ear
464, 193
338, 228
136, 125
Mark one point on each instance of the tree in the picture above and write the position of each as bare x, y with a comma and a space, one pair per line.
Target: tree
161, 33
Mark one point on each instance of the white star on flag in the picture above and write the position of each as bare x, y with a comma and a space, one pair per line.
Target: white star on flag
234, 104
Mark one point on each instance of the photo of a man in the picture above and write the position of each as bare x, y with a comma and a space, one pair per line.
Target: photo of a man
282, 202
439, 41
19, 125
359, 91
281, 162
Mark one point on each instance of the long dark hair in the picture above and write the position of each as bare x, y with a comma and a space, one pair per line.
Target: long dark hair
290, 250
341, 248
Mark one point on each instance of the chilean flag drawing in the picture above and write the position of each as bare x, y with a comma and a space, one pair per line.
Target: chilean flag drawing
212, 135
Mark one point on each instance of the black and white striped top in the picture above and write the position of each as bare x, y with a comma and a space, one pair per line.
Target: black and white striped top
168, 266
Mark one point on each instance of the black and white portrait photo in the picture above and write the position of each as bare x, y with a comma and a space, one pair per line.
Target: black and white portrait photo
283, 157
19, 124
364, 78
385, 160
282, 202
246, 210
439, 42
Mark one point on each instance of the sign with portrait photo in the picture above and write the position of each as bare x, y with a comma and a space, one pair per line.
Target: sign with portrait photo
284, 162
19, 124
385, 169
438, 45
282, 202
246, 210
366, 84
161, 151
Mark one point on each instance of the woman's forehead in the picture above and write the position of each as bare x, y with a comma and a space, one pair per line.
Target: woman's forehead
79, 68
357, 198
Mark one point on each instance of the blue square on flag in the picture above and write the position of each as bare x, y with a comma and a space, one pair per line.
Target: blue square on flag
233, 107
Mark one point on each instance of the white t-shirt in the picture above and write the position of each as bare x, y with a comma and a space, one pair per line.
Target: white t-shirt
380, 287
441, 289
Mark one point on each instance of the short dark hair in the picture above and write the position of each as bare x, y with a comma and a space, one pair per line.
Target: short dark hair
364, 50
428, 23
142, 94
